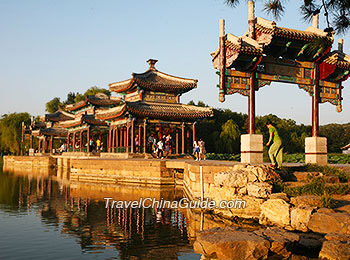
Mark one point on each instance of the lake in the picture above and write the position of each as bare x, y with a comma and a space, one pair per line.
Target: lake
43, 217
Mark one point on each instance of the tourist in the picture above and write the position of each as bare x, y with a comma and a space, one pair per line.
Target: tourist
170, 140
160, 149
167, 148
196, 150
137, 145
98, 144
276, 149
202, 150
62, 148
91, 145
150, 141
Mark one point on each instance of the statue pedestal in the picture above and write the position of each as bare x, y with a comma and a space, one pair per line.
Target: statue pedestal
316, 150
252, 149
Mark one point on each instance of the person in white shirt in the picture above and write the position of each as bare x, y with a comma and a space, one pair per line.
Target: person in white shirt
160, 149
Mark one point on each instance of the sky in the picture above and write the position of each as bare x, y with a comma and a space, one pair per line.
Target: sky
49, 48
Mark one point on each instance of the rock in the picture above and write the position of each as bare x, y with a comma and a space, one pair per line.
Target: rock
275, 211
300, 217
306, 200
330, 222
280, 195
335, 250
311, 241
231, 243
338, 237
282, 242
259, 189
251, 210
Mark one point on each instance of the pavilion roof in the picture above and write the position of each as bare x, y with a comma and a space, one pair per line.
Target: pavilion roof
269, 27
168, 111
154, 80
337, 58
54, 131
243, 53
156, 110
88, 119
58, 116
97, 100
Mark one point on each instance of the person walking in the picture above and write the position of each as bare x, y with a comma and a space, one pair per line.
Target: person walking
276, 149
202, 150
160, 149
196, 149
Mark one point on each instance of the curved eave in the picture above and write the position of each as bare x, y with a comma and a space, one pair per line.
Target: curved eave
110, 113
167, 111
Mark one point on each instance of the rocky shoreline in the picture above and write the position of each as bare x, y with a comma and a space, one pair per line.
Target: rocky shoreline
291, 227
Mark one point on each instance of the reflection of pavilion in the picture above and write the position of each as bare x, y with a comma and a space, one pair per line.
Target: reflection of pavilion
150, 104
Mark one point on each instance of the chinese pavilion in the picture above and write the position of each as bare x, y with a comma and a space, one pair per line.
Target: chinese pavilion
152, 106
149, 104
267, 53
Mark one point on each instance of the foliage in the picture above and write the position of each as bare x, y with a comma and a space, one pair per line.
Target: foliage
333, 158
53, 105
91, 92
225, 157
229, 137
336, 12
327, 201
11, 132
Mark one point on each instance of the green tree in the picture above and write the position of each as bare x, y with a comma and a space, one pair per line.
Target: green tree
91, 92
70, 98
53, 105
336, 12
11, 132
230, 137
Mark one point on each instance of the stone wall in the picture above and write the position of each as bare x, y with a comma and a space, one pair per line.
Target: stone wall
30, 164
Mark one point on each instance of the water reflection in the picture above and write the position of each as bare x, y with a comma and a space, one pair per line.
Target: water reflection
75, 214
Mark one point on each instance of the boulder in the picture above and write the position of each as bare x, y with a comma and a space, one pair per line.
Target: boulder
300, 217
282, 241
275, 211
335, 250
328, 221
306, 200
259, 189
280, 195
231, 243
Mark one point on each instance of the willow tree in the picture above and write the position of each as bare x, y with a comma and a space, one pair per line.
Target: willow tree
336, 12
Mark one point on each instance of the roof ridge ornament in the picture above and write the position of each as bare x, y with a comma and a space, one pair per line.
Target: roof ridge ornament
152, 63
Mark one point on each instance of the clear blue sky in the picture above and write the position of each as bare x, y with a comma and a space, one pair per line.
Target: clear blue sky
51, 47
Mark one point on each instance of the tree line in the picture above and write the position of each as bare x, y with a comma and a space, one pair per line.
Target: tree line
221, 132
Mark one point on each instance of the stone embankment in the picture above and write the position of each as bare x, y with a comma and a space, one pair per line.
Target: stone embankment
327, 230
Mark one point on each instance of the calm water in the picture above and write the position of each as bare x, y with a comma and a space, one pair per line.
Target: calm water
46, 218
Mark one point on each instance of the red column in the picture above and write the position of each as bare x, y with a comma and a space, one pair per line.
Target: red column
188, 144
39, 146
51, 137
116, 137
132, 135
177, 141
315, 102
183, 138
194, 132
109, 142
140, 138
74, 141
251, 105
81, 140
31, 141
68, 135
125, 139
144, 135
160, 131
88, 139
113, 139
45, 144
